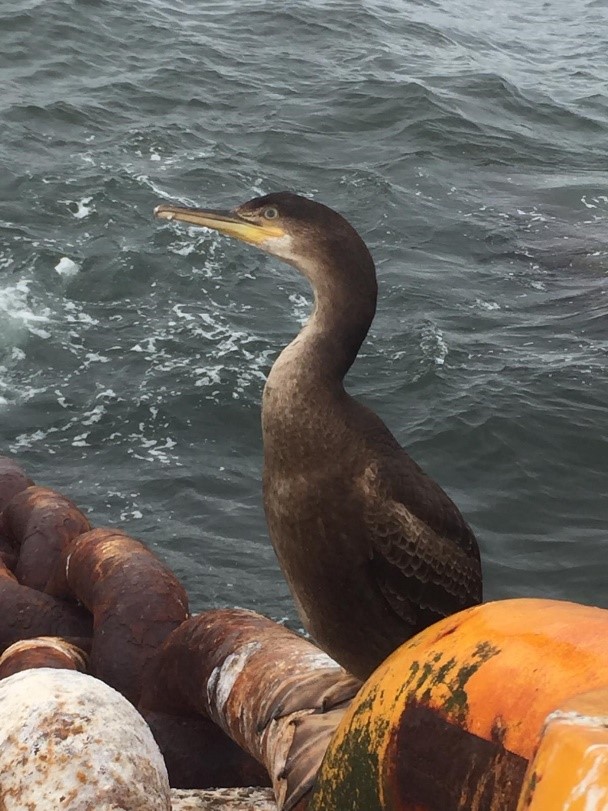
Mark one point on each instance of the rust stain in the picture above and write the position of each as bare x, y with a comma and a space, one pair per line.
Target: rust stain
27, 613
135, 599
41, 652
38, 522
59, 743
13, 479
276, 694
499, 730
437, 765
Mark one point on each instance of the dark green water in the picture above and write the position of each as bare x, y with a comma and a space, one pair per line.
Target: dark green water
468, 143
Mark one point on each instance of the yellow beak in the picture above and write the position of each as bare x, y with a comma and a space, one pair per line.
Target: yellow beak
226, 222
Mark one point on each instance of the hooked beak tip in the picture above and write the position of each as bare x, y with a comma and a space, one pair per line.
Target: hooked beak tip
161, 213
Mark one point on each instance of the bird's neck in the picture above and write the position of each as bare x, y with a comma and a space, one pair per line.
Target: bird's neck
326, 347
302, 410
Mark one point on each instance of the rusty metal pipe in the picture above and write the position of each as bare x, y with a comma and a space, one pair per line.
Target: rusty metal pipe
38, 522
199, 755
8, 556
27, 613
274, 693
135, 599
13, 479
5, 572
42, 651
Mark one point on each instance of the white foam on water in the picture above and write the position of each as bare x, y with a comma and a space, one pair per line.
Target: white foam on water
20, 317
180, 314
94, 415
207, 376
433, 344
38, 331
218, 364
183, 249
66, 267
150, 348
258, 187
17, 313
6, 259
61, 399
231, 362
301, 307
110, 394
75, 316
26, 441
127, 515
83, 207
94, 357
487, 305
150, 449
156, 189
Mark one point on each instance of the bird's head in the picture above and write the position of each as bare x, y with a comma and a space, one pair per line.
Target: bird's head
302, 232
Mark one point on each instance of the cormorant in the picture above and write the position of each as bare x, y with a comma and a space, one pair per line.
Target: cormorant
372, 548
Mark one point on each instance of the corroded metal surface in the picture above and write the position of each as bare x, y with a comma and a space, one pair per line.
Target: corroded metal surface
452, 718
570, 769
13, 479
276, 694
224, 799
8, 556
43, 651
199, 755
424, 742
5, 572
38, 522
27, 613
135, 599
69, 741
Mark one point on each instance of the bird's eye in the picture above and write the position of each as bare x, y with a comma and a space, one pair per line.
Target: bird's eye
271, 213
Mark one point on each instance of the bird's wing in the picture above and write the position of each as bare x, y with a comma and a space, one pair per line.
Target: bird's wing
392, 474
411, 563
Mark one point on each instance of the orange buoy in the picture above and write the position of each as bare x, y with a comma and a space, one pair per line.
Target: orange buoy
451, 719
570, 769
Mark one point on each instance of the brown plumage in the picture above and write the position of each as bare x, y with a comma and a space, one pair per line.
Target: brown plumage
372, 548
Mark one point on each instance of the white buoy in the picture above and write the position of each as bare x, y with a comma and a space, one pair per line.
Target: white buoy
69, 741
